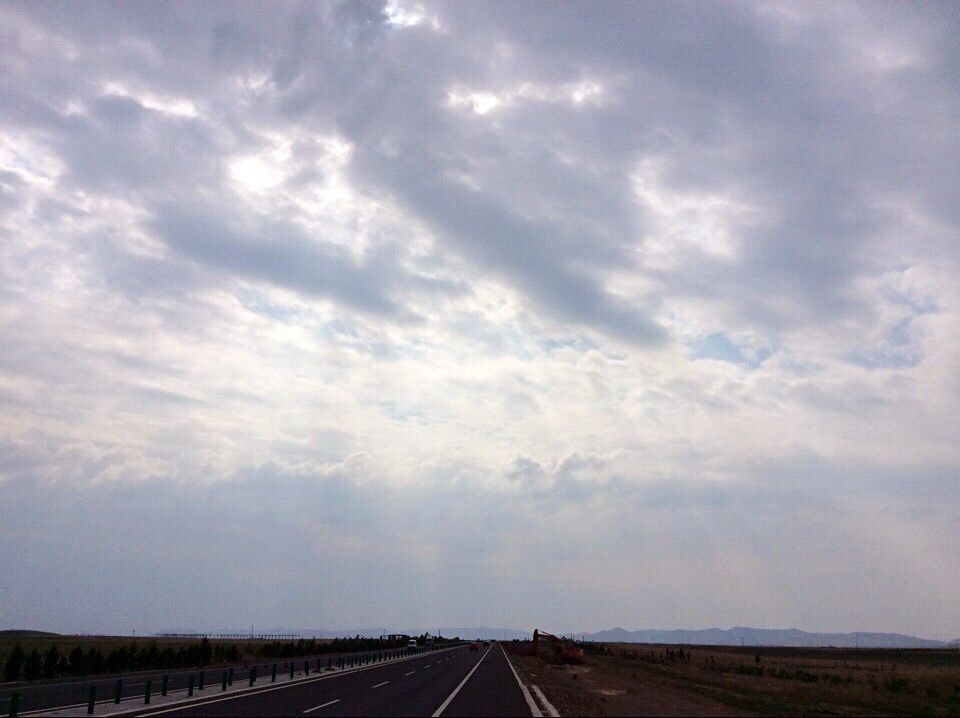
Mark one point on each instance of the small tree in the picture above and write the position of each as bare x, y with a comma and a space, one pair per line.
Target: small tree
33, 666
96, 663
14, 664
78, 661
206, 651
51, 662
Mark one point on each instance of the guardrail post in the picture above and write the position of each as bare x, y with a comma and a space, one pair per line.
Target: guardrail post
273, 673
253, 675
306, 668
14, 704
164, 685
118, 690
329, 664
190, 686
291, 670
146, 692
91, 699
230, 677
200, 682
223, 684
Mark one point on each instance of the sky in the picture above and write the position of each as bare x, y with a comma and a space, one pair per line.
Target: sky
564, 315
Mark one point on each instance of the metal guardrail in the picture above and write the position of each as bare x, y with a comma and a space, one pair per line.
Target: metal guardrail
11, 703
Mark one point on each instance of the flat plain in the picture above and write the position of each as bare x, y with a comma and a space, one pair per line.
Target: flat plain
636, 679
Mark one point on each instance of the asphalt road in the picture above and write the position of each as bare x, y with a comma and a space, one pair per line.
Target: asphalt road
456, 682
65, 692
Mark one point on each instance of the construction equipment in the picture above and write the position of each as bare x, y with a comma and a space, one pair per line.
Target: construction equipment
563, 649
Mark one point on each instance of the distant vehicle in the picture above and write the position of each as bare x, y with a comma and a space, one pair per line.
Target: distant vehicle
412, 643
474, 646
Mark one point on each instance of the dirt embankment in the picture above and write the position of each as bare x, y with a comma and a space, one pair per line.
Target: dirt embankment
601, 687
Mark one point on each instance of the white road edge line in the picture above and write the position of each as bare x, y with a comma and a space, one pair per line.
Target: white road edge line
380, 684
443, 706
409, 674
554, 713
322, 705
531, 704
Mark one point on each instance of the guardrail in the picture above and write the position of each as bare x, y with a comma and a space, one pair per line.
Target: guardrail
12, 703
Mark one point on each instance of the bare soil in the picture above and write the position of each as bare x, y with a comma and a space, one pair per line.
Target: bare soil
657, 680
599, 687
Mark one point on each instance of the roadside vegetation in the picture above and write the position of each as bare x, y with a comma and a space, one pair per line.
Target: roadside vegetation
782, 680
33, 655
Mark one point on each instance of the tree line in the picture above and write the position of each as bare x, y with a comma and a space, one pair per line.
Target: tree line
311, 646
53, 663
80, 662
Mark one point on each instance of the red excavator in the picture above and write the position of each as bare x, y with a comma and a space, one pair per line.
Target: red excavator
563, 649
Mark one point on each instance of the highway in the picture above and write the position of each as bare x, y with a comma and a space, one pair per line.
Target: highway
48, 695
451, 682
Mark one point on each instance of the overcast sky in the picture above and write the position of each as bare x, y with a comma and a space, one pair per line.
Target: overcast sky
559, 315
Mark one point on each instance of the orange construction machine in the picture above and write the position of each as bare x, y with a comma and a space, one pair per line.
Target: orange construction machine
563, 649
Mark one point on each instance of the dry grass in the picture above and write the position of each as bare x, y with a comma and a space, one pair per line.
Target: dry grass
797, 681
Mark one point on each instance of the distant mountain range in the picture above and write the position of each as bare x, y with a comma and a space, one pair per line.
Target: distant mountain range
738, 635
764, 637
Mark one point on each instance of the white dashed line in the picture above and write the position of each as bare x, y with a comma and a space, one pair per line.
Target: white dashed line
443, 706
410, 673
322, 705
380, 684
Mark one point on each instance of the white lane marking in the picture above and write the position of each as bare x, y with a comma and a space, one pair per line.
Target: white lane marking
531, 704
428, 665
554, 713
443, 706
380, 684
410, 673
322, 705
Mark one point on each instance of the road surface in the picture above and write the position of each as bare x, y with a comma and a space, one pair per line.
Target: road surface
453, 682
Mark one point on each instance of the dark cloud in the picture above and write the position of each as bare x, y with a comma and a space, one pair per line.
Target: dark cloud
278, 253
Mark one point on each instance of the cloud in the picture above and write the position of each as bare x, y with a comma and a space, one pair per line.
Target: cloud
278, 253
653, 308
